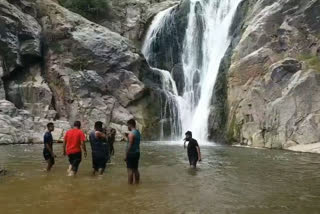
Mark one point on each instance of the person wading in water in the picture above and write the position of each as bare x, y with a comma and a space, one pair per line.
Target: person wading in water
48, 149
111, 140
72, 146
99, 148
193, 149
133, 153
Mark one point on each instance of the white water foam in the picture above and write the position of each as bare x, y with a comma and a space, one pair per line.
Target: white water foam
194, 106
217, 16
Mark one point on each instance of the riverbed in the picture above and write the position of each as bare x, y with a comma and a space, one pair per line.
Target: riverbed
228, 180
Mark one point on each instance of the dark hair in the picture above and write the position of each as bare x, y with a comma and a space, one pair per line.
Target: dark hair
188, 133
50, 125
98, 125
77, 124
132, 122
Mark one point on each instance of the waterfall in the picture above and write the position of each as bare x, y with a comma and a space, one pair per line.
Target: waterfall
201, 67
170, 103
205, 44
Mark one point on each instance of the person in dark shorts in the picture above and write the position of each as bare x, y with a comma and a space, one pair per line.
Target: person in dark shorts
99, 148
73, 146
111, 140
48, 148
133, 153
194, 154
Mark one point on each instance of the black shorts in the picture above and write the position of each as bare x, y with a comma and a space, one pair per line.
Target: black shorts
193, 159
99, 162
75, 160
47, 156
133, 161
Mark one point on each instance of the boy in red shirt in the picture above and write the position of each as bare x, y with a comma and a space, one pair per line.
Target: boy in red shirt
72, 146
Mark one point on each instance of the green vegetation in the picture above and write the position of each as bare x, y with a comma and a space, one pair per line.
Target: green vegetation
57, 47
80, 64
234, 131
312, 61
91, 9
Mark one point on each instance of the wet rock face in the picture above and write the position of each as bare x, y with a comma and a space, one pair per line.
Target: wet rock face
273, 86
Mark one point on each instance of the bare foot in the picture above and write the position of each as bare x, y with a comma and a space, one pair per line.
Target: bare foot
71, 174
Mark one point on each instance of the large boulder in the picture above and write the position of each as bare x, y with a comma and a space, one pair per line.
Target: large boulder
19, 126
92, 71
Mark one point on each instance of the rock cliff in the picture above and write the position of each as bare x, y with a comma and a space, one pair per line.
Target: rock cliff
58, 66
274, 81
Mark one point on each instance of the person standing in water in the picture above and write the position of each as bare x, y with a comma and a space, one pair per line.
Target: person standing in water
99, 148
73, 146
193, 149
48, 148
133, 153
111, 140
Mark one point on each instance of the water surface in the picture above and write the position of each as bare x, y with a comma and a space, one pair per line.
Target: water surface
229, 180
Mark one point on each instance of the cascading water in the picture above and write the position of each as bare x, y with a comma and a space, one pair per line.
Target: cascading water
205, 44
170, 106
215, 18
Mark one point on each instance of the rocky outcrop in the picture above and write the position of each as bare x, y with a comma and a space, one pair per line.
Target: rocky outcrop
62, 68
273, 81
19, 37
131, 18
24, 119
166, 50
19, 126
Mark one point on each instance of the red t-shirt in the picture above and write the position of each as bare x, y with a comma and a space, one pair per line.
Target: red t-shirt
73, 140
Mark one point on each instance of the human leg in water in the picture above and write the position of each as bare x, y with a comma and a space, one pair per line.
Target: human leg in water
136, 175
101, 171
50, 163
130, 176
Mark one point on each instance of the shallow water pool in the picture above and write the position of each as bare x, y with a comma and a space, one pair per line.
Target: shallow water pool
229, 180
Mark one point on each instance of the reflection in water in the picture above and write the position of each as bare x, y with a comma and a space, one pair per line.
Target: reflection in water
229, 180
